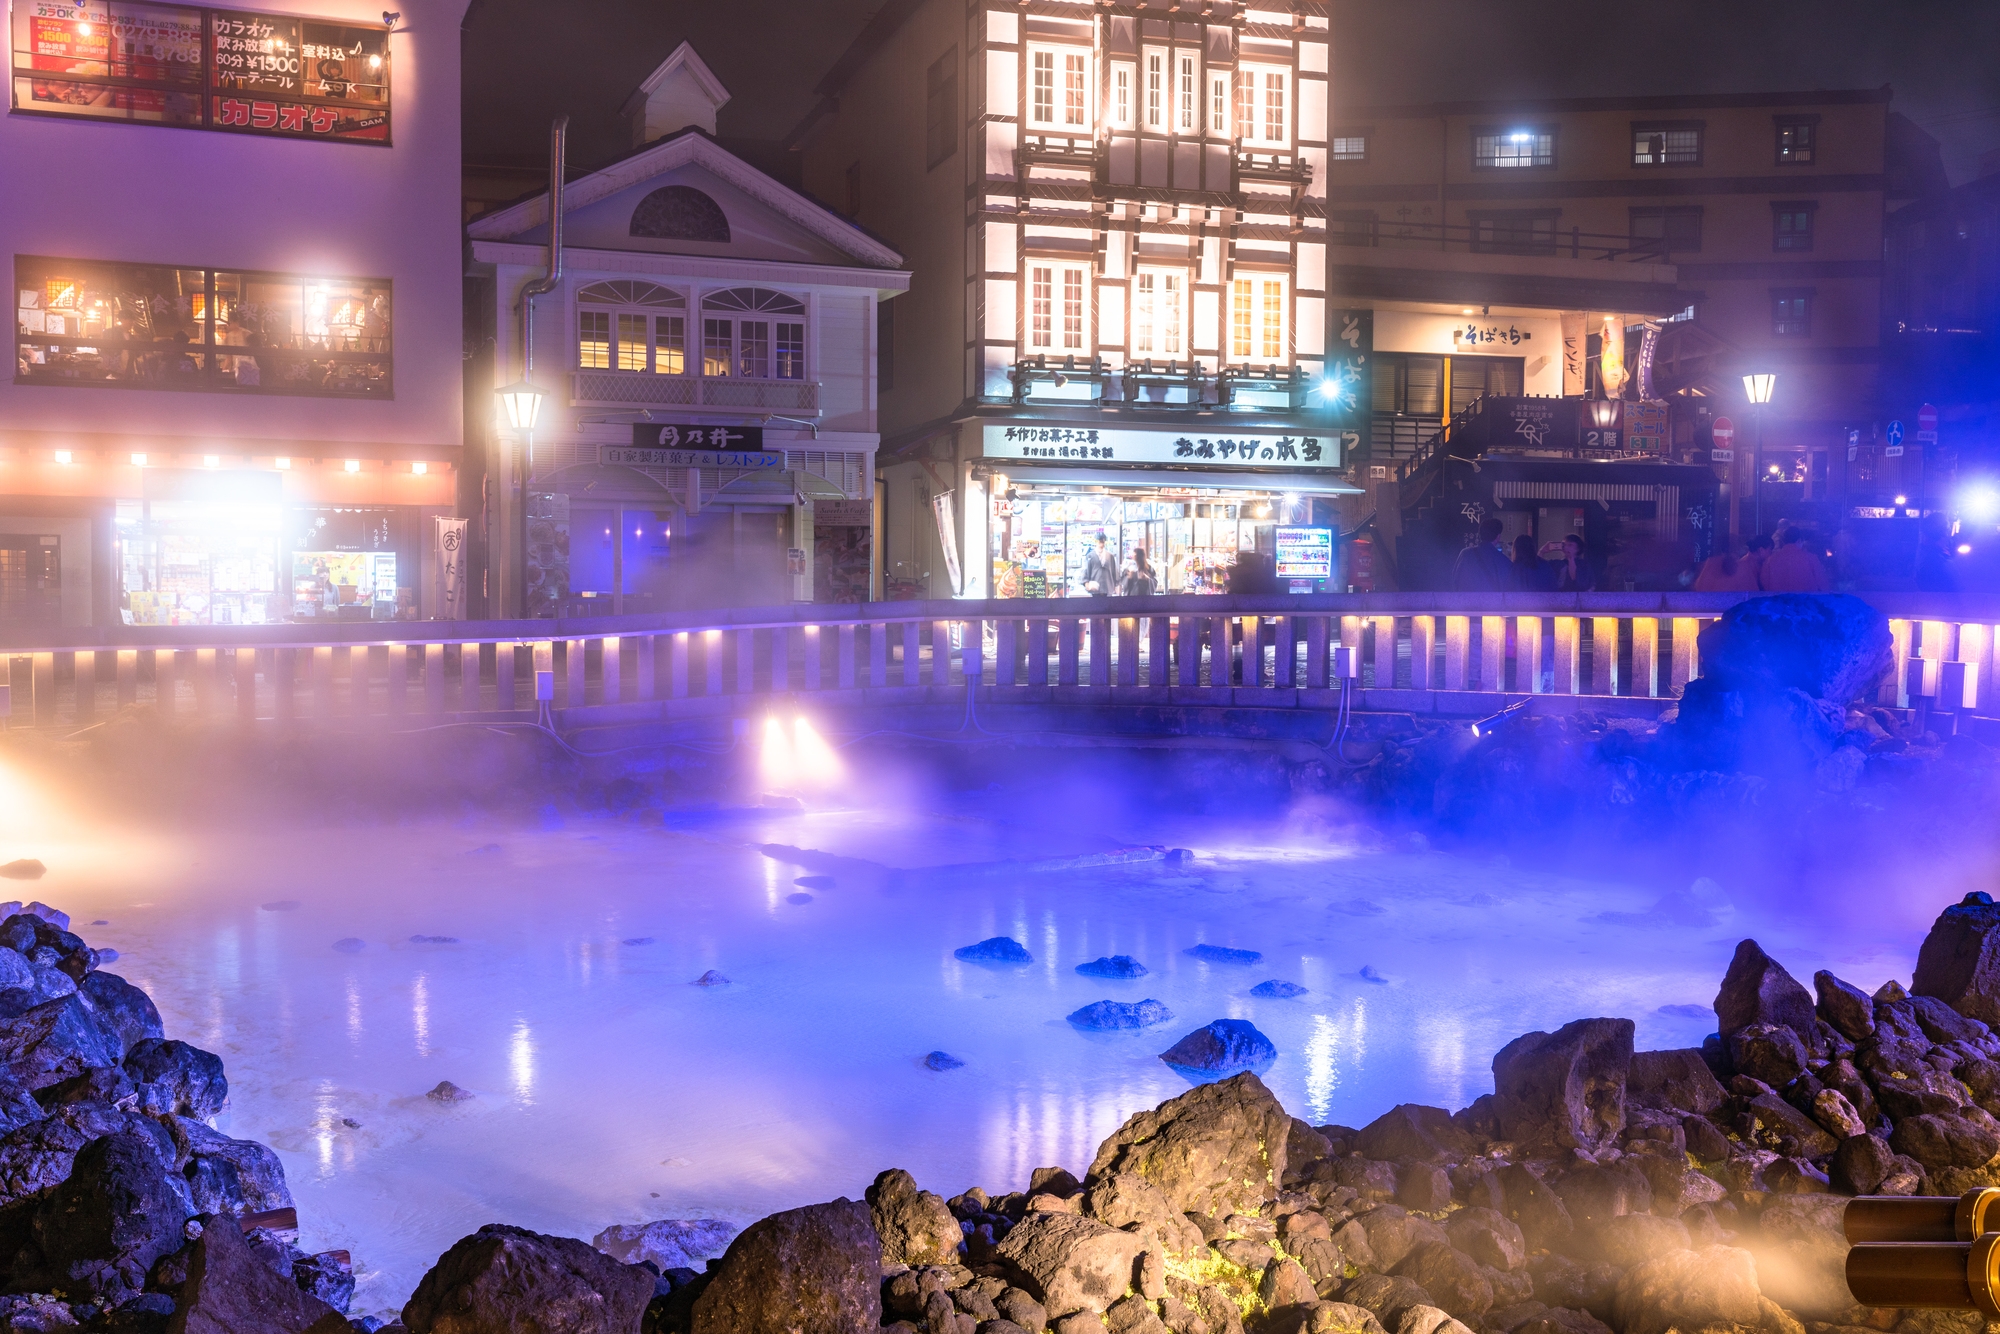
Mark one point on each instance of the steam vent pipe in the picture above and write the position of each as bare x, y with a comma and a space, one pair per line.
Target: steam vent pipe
1926, 1251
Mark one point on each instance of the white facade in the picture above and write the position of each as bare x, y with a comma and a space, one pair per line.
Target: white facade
697, 294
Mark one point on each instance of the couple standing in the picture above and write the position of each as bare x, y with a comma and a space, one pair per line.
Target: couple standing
1103, 577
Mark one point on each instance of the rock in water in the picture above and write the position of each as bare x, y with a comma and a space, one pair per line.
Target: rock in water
816, 1270
1757, 990
117, 1214
176, 1079
229, 1290
1830, 646
448, 1092
1566, 1089
995, 950
328, 1276
1218, 1149
1113, 966
23, 868
670, 1243
228, 1176
1276, 989
798, 898
1069, 1263
916, 1226
1959, 963
943, 1060
57, 1041
1221, 954
1223, 1047
711, 978
1110, 1016
508, 1278
814, 882
350, 944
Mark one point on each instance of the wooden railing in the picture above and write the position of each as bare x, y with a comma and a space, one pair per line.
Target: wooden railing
1462, 654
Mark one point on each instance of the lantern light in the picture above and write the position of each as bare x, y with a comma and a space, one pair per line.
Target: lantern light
523, 402
354, 465
1758, 388
419, 468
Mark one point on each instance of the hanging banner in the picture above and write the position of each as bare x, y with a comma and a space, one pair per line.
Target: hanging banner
1611, 357
1649, 343
1573, 353
450, 567
948, 539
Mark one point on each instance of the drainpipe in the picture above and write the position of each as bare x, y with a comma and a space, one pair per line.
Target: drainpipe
558, 141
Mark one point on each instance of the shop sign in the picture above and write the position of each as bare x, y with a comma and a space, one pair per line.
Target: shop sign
676, 435
1207, 448
1304, 553
690, 458
1350, 374
1646, 426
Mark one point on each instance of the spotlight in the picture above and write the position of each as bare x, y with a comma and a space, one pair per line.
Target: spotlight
1965, 548
1902, 500
354, 465
65, 458
391, 19
1980, 502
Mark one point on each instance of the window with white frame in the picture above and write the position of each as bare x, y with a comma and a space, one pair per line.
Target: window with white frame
1156, 90
631, 326
753, 332
1264, 111
1188, 95
1121, 96
1058, 88
1058, 307
1257, 318
1159, 312
1218, 104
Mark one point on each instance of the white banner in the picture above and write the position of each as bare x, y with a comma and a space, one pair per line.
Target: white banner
450, 554
1209, 446
948, 539
1573, 352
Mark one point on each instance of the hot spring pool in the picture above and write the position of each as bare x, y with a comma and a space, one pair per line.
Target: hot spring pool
610, 1090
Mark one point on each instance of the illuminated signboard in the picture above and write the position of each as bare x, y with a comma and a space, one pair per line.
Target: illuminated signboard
211, 69
1305, 553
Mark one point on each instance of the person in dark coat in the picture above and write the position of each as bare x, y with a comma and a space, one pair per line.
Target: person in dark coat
1532, 574
1573, 570
1483, 567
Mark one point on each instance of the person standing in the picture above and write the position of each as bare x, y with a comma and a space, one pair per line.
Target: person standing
1138, 579
1574, 572
1726, 572
1794, 567
1532, 574
1483, 567
1100, 572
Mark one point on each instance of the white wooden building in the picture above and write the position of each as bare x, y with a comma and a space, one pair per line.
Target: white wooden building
698, 296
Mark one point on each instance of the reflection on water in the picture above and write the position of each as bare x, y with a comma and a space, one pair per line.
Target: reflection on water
521, 1061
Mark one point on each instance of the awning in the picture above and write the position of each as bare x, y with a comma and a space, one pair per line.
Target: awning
1302, 483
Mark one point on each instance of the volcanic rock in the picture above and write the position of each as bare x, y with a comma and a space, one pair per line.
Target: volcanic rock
1564, 1090
1832, 647
1784, 1129
56, 1041
1489, 1237
711, 978
915, 1226
1217, 1149
1757, 990
1222, 954
1802, 1255
1452, 1278
447, 1092
1767, 1052
1277, 989
230, 1291
942, 1060
1222, 1047
117, 1214
127, 1009
1069, 1263
1847, 1008
1389, 1297
1340, 1318
224, 1175
1107, 1016
1424, 1187
1114, 966
1003, 950
1411, 1131
1959, 962
1393, 1232
669, 1243
1689, 1290
1130, 1202
175, 1079
1940, 1140
1677, 1078
39, 1155
1535, 1208
508, 1278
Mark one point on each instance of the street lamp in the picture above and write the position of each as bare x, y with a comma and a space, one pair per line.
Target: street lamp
523, 402
1758, 389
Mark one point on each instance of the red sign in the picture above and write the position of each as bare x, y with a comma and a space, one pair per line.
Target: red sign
1725, 432
1927, 423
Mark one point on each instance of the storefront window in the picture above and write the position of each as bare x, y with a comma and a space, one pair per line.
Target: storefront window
214, 330
352, 563
198, 563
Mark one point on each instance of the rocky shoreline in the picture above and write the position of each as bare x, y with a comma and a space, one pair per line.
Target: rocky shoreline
1596, 1189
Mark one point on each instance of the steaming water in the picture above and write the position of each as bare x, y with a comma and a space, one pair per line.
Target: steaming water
610, 1090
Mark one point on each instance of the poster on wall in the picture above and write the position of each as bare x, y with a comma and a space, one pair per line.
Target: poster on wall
243, 72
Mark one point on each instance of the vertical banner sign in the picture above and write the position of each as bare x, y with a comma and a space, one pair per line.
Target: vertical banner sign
450, 569
1611, 357
948, 539
1649, 343
1350, 375
1573, 351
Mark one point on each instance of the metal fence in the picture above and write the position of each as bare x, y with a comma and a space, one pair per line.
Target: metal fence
1425, 652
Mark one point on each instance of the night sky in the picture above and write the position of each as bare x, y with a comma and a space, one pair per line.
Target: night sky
527, 61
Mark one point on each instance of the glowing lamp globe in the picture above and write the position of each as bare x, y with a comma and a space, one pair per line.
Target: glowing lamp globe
523, 402
1758, 388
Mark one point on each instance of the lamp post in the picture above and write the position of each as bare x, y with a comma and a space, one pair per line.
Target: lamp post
1758, 389
523, 402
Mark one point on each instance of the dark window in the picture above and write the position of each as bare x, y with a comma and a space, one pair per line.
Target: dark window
1505, 148
1474, 378
1798, 141
680, 213
885, 346
1666, 231
1514, 232
147, 326
1349, 147
940, 110
1351, 227
1409, 384
1791, 312
1792, 226
1671, 144
853, 182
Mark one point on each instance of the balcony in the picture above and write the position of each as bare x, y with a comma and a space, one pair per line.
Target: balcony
636, 389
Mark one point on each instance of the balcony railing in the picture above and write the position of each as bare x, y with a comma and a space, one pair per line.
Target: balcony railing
1492, 239
614, 389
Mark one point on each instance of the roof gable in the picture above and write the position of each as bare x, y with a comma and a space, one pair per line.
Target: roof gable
766, 219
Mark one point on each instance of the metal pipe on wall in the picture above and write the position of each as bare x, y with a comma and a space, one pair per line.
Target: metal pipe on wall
525, 469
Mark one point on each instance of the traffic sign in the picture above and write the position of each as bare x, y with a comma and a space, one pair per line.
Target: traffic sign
1853, 443
1895, 433
1724, 431
1927, 424
1722, 455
